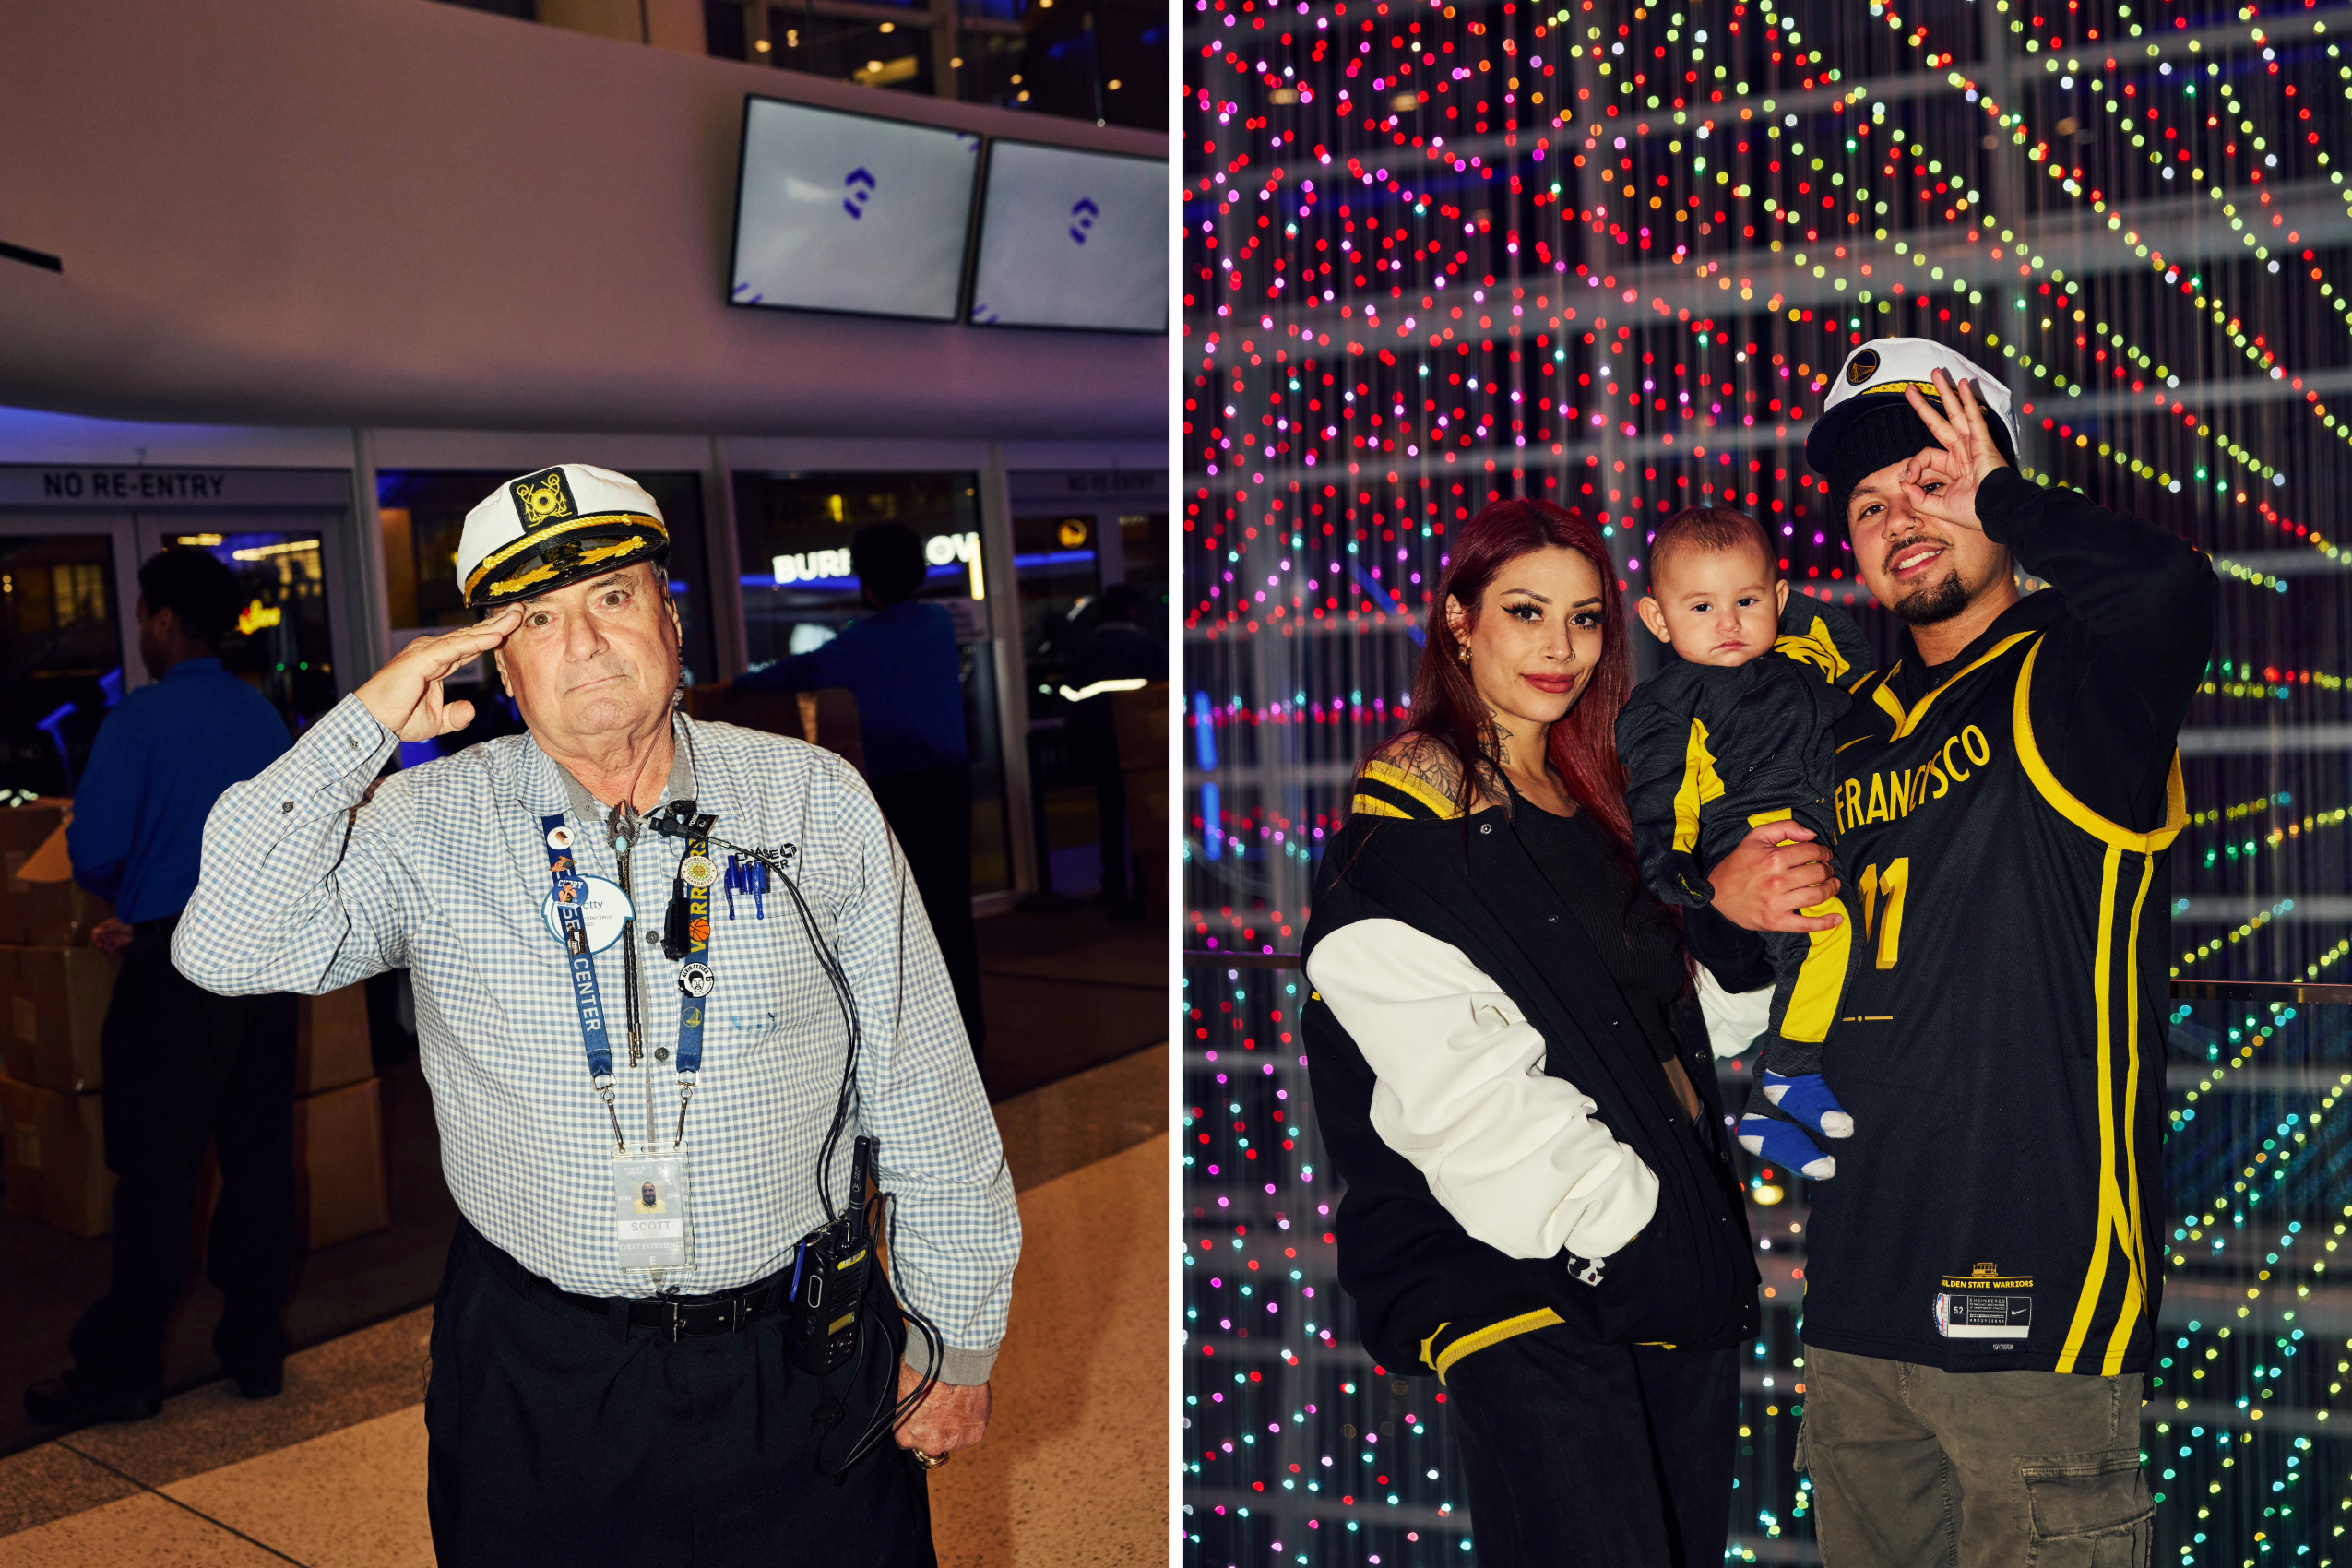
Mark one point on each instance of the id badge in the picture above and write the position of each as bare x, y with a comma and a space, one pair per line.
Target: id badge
649, 1208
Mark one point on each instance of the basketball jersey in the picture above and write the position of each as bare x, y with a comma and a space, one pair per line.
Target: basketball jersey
2001, 1042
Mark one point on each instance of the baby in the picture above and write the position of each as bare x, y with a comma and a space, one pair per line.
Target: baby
1736, 733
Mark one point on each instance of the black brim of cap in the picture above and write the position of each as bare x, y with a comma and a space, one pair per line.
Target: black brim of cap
606, 545
1822, 442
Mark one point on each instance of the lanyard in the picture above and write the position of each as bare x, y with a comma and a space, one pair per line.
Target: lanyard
581, 971
577, 961
694, 973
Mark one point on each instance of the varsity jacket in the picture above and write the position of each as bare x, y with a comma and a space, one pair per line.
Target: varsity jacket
2004, 825
1519, 1092
1709, 751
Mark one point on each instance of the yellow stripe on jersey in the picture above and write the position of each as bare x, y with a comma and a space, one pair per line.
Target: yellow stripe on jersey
1813, 646
1701, 784
1409, 785
1373, 805
2110, 1218
2176, 798
2136, 1302
1820, 978
1910, 721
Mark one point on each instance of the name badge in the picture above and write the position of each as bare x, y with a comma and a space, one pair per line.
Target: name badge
649, 1211
603, 910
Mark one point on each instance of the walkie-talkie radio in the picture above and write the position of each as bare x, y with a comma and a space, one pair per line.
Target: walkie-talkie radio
829, 1275
829, 1287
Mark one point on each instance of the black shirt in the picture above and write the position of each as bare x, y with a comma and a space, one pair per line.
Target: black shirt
1632, 932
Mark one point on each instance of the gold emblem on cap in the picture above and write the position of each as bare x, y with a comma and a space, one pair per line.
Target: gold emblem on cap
1862, 368
543, 497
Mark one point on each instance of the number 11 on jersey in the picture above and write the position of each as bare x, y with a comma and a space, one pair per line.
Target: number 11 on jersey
1889, 883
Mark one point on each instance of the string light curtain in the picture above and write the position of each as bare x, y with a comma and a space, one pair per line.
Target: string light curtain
1610, 255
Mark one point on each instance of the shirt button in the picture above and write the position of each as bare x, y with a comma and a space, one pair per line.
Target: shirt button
285, 805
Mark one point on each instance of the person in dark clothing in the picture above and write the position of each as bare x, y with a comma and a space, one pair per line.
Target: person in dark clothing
1734, 733
902, 665
1540, 1208
1116, 656
1982, 1292
182, 1067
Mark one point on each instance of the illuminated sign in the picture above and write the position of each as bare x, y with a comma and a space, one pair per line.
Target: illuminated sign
811, 566
821, 565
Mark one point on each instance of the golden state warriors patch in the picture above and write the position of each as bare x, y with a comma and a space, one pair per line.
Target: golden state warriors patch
1986, 1305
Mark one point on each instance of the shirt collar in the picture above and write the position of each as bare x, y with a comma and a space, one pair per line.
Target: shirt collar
207, 666
586, 808
2043, 607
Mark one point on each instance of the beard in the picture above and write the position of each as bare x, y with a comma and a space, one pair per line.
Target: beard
1929, 603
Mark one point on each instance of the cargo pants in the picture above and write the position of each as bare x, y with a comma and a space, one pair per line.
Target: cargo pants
1914, 1466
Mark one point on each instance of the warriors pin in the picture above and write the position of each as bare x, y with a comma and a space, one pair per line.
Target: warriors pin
696, 980
700, 871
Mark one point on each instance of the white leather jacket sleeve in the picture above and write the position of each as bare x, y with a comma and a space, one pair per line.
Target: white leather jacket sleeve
1734, 1019
1513, 1153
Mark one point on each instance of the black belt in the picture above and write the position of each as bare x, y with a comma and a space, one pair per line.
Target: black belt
678, 1317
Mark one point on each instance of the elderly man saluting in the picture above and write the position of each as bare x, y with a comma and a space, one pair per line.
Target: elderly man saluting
662, 1336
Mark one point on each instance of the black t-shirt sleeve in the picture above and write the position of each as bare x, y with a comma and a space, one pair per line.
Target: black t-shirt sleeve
2113, 682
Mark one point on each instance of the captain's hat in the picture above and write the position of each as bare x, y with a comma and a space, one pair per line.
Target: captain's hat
544, 529
1874, 377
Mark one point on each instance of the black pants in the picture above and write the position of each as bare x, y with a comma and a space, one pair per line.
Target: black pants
929, 812
1616, 1456
553, 1439
1095, 753
184, 1067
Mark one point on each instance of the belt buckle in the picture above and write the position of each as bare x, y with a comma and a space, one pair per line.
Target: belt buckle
734, 1314
677, 1317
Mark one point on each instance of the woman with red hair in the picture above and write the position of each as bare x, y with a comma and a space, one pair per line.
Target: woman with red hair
1511, 1074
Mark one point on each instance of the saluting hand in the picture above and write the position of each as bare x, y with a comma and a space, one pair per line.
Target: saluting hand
1941, 486
406, 694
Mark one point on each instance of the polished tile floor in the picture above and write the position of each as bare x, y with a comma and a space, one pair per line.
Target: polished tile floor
332, 1472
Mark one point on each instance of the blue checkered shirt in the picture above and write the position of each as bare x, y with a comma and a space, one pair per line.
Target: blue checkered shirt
311, 880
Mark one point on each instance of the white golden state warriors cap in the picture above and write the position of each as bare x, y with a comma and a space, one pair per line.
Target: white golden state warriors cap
1874, 376
544, 529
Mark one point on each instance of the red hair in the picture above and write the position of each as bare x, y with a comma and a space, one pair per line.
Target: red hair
1446, 707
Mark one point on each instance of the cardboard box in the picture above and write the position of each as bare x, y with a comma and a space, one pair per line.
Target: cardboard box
338, 1166
331, 1040
40, 904
1141, 718
54, 1005
56, 1157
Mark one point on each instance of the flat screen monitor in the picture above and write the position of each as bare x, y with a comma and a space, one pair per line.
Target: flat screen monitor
1072, 239
849, 212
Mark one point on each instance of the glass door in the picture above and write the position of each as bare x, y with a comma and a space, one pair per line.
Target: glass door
68, 645
283, 642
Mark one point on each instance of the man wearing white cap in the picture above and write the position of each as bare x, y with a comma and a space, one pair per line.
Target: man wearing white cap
662, 1334
1981, 1278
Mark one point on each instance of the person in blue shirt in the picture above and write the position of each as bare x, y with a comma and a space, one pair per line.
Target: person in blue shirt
182, 1066
1116, 656
902, 665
